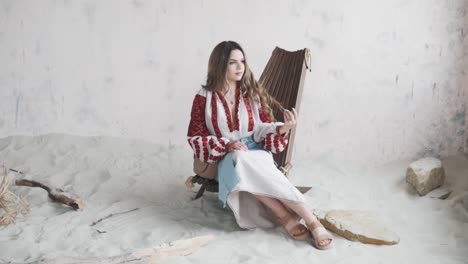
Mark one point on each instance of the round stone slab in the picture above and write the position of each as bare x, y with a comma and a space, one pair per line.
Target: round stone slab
359, 226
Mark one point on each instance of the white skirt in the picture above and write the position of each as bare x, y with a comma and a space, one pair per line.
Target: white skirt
258, 175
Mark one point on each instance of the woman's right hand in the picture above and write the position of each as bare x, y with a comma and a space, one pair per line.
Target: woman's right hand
290, 121
236, 145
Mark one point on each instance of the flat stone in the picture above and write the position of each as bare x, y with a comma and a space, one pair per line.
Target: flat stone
425, 175
359, 226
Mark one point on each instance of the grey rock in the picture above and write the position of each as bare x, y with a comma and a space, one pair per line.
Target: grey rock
425, 175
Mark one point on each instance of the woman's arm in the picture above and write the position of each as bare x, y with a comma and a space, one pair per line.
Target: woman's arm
271, 135
206, 147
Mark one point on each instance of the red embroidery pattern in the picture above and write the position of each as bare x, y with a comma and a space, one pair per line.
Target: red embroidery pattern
249, 111
226, 110
197, 126
223, 142
212, 143
275, 143
267, 143
216, 158
264, 117
214, 114
283, 142
236, 110
213, 149
219, 149
197, 148
206, 147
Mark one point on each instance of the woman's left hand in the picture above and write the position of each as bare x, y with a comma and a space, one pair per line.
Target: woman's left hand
290, 121
236, 145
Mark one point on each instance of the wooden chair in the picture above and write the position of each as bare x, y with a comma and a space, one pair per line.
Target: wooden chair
283, 77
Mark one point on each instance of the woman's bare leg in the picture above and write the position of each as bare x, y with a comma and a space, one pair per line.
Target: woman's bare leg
306, 214
302, 210
280, 209
281, 212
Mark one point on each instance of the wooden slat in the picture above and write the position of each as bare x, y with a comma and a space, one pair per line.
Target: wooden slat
283, 77
288, 96
298, 96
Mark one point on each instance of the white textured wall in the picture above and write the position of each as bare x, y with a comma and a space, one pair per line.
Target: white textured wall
388, 78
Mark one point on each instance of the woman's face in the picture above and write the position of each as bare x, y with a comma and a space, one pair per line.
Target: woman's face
236, 66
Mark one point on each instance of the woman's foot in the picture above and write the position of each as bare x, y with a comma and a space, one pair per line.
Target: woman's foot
294, 228
322, 238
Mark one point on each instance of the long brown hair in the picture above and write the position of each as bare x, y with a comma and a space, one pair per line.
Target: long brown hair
216, 77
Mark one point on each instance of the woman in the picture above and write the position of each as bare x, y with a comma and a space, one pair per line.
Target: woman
232, 124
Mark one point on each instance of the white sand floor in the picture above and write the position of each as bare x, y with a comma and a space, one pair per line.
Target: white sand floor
112, 175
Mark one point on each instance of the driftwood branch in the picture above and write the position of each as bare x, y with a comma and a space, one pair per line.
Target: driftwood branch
54, 193
110, 215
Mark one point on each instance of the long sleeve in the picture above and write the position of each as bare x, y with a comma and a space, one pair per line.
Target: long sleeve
267, 133
206, 147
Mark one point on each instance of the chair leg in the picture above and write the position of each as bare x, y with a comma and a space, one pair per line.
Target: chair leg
202, 190
303, 189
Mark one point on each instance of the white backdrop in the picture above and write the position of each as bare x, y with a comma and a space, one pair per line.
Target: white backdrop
388, 78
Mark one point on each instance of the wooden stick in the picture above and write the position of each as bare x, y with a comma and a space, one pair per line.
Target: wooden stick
54, 193
20, 172
96, 222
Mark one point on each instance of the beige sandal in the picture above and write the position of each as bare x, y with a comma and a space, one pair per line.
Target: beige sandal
320, 234
293, 223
